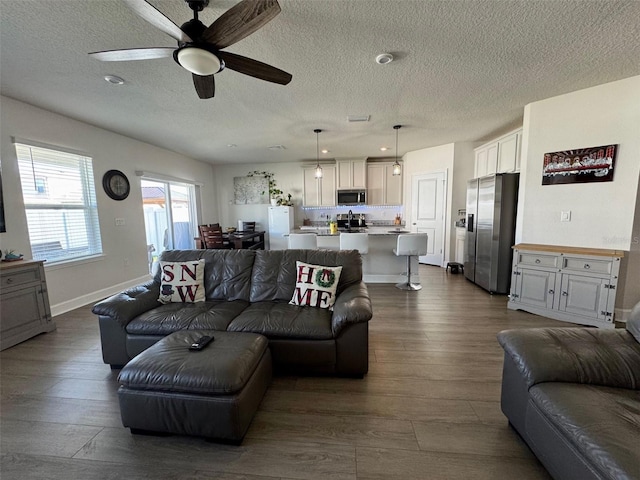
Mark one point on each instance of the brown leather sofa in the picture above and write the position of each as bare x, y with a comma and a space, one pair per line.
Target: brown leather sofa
249, 291
573, 394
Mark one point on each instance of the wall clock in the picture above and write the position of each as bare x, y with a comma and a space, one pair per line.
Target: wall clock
116, 184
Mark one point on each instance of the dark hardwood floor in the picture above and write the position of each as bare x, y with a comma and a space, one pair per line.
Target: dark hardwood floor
428, 409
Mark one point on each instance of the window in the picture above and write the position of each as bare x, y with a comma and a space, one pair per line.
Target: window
60, 203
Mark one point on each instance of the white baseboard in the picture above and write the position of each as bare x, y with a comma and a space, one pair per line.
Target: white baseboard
77, 302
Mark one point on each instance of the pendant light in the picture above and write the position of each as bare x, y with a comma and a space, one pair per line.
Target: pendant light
318, 167
397, 168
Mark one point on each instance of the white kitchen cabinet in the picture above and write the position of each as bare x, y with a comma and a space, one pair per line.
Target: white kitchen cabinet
576, 285
501, 155
383, 187
351, 173
319, 192
24, 303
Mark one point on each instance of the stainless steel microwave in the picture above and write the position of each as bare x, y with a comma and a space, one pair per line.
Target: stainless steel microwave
351, 197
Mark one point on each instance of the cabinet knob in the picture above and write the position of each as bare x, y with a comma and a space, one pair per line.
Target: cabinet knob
564, 294
551, 292
537, 260
9, 280
587, 266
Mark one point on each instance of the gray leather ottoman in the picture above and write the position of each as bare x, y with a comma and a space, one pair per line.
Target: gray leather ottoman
211, 393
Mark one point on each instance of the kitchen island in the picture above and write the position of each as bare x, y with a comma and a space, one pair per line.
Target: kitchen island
380, 265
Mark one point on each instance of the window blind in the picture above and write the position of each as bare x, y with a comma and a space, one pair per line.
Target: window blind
60, 203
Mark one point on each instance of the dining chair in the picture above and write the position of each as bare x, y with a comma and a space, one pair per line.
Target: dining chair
212, 237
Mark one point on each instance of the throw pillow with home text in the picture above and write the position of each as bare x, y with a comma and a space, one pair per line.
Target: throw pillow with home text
315, 285
182, 282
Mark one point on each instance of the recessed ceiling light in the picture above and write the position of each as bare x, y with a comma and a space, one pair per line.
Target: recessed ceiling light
113, 79
325, 151
358, 118
231, 145
384, 58
384, 149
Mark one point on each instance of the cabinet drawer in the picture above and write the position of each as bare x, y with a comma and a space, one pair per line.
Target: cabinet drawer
538, 260
20, 277
587, 265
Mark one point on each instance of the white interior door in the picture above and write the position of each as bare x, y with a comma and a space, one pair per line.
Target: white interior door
428, 213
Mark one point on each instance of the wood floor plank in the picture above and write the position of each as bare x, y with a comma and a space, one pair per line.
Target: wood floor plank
392, 464
41, 438
470, 438
340, 430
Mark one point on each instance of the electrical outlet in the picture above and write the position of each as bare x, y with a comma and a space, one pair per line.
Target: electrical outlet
565, 216
120, 222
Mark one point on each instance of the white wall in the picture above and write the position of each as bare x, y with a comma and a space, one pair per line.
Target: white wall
601, 213
288, 177
76, 283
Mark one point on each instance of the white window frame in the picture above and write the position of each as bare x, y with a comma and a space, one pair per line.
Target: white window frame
81, 241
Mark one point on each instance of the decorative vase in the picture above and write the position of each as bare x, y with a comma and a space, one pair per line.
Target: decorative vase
274, 202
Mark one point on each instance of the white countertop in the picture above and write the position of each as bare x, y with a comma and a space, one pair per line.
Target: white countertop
373, 230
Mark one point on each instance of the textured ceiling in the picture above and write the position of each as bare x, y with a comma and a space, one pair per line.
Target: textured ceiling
463, 70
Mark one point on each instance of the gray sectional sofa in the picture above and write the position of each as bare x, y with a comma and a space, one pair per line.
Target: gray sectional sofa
249, 291
573, 394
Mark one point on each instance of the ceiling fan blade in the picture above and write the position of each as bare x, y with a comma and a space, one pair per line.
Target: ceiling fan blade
254, 68
133, 54
158, 19
239, 21
205, 86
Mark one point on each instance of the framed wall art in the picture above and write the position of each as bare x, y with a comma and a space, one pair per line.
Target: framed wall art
581, 165
250, 190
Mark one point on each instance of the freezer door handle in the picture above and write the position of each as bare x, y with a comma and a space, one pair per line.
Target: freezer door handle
470, 222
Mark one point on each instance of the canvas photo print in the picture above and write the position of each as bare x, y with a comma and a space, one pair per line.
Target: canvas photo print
582, 165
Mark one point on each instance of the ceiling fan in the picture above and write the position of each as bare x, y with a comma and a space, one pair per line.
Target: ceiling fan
200, 47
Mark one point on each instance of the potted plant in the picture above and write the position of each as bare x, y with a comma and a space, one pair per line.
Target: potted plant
274, 191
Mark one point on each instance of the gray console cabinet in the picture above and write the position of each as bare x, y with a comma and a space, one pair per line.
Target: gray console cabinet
572, 284
24, 303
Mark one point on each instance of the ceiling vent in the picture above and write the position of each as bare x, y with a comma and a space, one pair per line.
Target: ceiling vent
277, 147
358, 118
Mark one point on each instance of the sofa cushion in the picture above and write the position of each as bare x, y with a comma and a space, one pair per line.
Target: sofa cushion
182, 282
316, 285
227, 273
281, 320
169, 318
633, 324
601, 423
274, 271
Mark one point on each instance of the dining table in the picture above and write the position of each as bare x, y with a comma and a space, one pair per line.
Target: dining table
252, 240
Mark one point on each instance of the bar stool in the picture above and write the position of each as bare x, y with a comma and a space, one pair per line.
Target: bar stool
414, 244
355, 241
303, 241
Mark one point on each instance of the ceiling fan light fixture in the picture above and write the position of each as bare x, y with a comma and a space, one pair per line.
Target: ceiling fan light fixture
198, 61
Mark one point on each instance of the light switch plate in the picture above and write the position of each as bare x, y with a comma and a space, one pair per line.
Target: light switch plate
119, 221
565, 216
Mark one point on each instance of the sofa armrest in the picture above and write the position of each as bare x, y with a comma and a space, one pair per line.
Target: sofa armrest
574, 355
353, 305
125, 306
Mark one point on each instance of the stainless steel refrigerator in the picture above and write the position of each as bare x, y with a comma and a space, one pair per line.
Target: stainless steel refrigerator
491, 221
